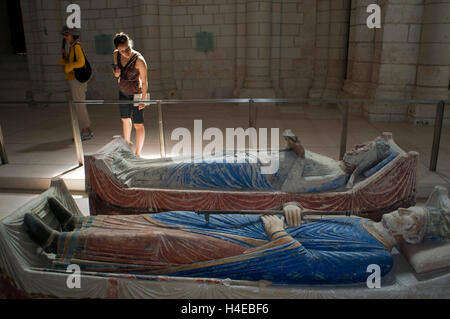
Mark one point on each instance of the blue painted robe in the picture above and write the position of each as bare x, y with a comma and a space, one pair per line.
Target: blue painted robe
331, 251
227, 170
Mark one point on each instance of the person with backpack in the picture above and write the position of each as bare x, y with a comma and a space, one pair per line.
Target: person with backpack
78, 72
131, 70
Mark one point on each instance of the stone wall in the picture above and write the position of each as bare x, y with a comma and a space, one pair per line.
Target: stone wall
208, 74
262, 48
433, 68
42, 21
270, 39
396, 56
296, 49
408, 58
330, 54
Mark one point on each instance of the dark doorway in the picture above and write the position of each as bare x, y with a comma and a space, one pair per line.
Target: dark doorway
16, 26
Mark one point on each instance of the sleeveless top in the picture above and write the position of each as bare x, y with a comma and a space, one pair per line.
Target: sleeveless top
129, 81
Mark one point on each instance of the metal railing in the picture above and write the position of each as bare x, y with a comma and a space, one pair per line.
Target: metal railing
251, 117
438, 121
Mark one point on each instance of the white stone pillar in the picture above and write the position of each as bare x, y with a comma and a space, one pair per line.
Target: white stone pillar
331, 44
257, 82
361, 51
395, 59
433, 70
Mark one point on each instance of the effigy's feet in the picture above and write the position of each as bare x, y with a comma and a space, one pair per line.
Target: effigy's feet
41, 233
64, 216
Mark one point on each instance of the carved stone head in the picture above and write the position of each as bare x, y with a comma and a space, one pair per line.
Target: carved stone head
408, 223
370, 152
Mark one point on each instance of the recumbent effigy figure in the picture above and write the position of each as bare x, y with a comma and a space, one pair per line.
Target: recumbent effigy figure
299, 170
242, 247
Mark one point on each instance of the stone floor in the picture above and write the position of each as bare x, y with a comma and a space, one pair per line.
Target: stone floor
39, 139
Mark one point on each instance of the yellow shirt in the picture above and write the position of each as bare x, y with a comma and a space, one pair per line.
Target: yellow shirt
69, 63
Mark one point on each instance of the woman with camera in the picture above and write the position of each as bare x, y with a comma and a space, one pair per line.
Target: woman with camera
131, 70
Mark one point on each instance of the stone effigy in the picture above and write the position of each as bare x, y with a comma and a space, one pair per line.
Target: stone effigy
299, 171
26, 270
239, 247
373, 176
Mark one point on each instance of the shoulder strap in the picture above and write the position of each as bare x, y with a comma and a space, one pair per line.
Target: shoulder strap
82, 50
134, 57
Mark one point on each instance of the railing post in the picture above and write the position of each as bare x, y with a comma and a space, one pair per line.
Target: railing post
344, 130
437, 135
162, 144
251, 113
76, 133
3, 156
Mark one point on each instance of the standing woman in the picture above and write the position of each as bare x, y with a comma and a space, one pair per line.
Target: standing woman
131, 69
74, 60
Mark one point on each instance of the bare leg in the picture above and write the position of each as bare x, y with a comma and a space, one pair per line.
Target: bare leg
140, 137
127, 126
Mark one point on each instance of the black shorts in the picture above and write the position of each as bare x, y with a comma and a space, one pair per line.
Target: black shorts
129, 111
